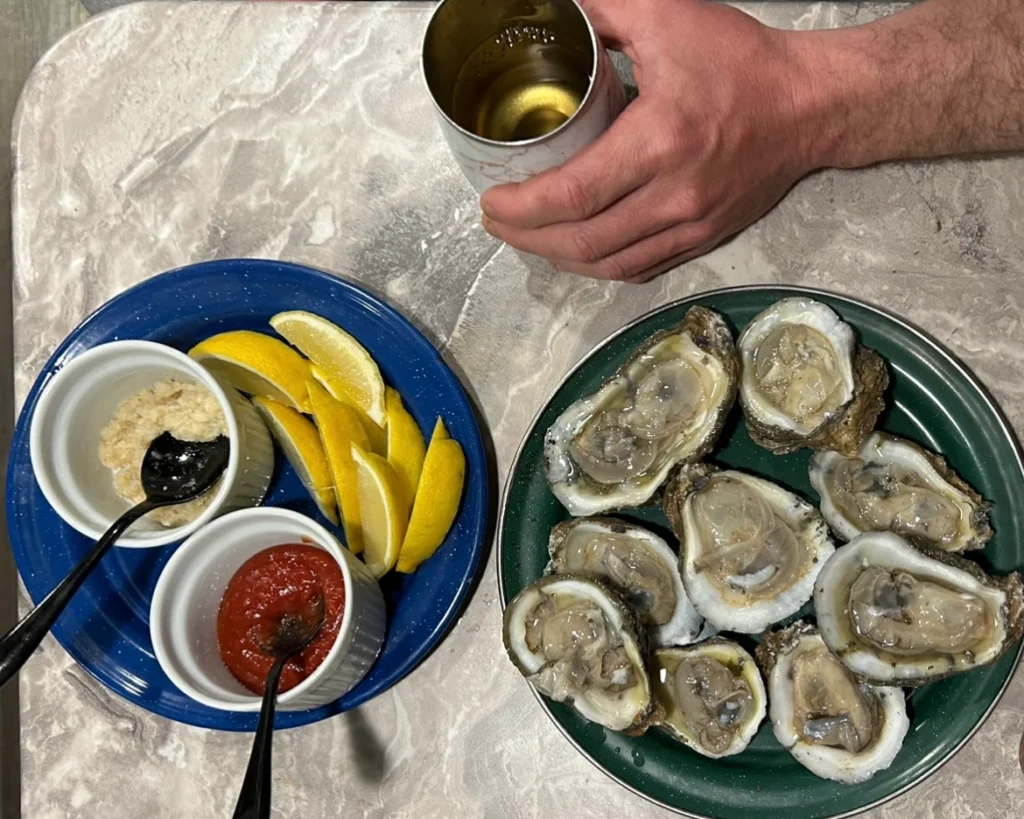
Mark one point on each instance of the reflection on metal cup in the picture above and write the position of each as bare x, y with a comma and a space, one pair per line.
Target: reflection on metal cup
519, 85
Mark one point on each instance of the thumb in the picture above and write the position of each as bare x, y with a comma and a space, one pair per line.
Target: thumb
612, 21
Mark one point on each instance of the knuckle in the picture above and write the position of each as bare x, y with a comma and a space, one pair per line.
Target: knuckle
692, 204
669, 145
614, 268
703, 233
582, 247
578, 199
674, 139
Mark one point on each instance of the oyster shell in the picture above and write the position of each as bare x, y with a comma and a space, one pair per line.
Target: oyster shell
805, 382
636, 563
750, 550
895, 485
712, 694
577, 641
665, 405
902, 616
835, 726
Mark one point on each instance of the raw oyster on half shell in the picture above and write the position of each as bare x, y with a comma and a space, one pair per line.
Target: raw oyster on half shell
636, 563
665, 405
902, 616
804, 380
894, 485
834, 725
577, 641
712, 693
749, 549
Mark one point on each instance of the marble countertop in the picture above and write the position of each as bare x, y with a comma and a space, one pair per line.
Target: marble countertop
160, 134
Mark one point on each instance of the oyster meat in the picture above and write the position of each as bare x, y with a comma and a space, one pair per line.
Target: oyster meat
835, 726
665, 405
577, 641
750, 550
903, 616
712, 694
636, 563
805, 382
896, 486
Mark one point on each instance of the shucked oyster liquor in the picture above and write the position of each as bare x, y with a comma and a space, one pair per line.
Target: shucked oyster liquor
834, 725
636, 563
895, 485
664, 406
749, 549
712, 693
577, 641
900, 616
806, 382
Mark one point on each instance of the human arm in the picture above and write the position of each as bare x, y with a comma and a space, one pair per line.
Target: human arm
732, 113
942, 78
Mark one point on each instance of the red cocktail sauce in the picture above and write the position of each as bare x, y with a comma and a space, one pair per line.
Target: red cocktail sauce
279, 580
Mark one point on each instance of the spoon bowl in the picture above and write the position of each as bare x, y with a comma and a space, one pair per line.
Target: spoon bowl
174, 471
293, 631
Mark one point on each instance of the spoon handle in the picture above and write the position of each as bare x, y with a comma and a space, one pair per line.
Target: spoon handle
254, 799
18, 644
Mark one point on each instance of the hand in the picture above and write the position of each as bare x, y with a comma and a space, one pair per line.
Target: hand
712, 143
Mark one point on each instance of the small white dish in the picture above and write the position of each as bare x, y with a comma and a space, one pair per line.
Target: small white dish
84, 395
183, 615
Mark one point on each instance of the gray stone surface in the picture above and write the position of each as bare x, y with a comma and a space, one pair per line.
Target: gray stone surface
27, 29
162, 134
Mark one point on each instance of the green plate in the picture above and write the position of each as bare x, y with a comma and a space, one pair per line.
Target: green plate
933, 400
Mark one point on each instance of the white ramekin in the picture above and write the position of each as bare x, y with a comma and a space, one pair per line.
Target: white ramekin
82, 397
183, 616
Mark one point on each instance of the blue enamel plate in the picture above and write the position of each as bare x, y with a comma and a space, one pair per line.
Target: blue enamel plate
106, 626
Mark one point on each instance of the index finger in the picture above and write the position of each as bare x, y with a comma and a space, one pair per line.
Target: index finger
616, 164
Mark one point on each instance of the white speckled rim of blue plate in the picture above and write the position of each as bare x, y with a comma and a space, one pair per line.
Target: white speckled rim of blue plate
183, 615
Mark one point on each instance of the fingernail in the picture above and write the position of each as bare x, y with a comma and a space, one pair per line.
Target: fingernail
488, 210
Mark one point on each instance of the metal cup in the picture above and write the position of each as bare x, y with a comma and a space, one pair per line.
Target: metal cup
458, 27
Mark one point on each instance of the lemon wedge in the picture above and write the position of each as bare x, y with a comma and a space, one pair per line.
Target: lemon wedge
378, 438
342, 360
299, 440
383, 509
257, 364
405, 444
339, 430
437, 499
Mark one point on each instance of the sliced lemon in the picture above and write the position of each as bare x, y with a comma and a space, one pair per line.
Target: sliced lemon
383, 509
378, 438
405, 444
258, 364
343, 360
299, 440
339, 430
437, 499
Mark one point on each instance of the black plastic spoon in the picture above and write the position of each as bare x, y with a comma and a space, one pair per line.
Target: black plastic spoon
282, 640
173, 472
